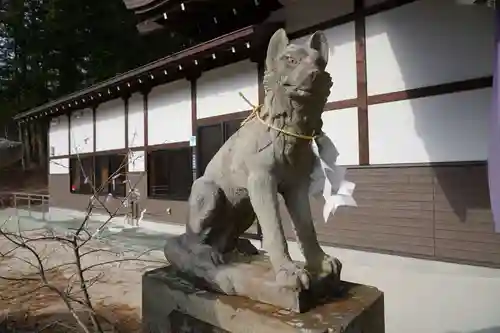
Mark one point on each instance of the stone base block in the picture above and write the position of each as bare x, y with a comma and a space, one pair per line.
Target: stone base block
174, 304
249, 276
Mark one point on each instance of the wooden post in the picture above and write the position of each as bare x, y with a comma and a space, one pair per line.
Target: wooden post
20, 135
29, 204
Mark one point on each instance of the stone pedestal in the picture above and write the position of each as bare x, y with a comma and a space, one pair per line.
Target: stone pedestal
250, 276
174, 304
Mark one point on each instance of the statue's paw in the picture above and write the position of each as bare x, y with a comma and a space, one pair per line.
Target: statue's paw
292, 276
216, 257
329, 266
206, 254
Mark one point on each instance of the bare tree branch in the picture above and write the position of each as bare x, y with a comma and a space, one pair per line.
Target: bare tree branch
34, 250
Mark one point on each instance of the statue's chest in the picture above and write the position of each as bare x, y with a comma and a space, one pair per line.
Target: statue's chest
294, 154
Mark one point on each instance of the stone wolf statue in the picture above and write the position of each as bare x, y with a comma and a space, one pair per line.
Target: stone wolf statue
269, 155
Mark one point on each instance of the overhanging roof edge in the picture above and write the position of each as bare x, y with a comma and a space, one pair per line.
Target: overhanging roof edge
139, 71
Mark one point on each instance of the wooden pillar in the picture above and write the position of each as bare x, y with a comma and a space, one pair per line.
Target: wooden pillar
20, 135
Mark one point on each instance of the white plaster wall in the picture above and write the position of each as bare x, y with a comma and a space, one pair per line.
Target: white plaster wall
110, 125
428, 42
303, 14
82, 131
136, 161
59, 166
58, 136
341, 62
452, 127
136, 120
341, 126
218, 90
169, 113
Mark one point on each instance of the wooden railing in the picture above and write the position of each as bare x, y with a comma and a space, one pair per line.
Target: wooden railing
31, 201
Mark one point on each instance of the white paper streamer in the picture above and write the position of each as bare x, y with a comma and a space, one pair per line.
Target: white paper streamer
328, 179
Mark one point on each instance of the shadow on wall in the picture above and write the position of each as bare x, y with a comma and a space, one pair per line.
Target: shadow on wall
454, 43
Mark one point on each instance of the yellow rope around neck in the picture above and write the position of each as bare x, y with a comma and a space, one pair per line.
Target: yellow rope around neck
255, 112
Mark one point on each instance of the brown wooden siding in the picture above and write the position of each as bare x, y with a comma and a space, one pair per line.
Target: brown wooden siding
439, 212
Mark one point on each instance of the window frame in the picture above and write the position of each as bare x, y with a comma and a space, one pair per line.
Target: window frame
224, 136
79, 162
170, 194
95, 180
120, 189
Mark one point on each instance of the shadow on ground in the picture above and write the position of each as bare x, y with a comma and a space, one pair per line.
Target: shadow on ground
124, 319
25, 307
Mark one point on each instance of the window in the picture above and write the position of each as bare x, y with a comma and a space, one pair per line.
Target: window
81, 175
211, 138
209, 142
111, 174
231, 127
107, 171
170, 173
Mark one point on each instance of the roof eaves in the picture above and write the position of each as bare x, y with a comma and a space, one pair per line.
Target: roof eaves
145, 69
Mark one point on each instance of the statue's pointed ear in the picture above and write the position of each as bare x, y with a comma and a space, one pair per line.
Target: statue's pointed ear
319, 43
277, 44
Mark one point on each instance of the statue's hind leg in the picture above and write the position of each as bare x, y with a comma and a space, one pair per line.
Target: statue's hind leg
241, 219
206, 208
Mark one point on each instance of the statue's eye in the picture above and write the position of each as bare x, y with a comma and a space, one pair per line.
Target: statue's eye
292, 61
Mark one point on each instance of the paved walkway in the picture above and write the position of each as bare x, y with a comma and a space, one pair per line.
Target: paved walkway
137, 239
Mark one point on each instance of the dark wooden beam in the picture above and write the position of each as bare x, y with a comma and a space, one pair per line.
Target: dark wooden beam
360, 39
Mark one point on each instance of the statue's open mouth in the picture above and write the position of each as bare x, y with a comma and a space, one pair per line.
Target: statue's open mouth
303, 92
298, 91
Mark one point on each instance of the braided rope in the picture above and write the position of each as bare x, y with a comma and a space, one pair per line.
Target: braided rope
255, 113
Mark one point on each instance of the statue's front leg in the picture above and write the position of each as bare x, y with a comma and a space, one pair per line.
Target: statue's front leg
317, 261
263, 192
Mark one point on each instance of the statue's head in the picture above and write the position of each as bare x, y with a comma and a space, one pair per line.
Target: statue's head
295, 74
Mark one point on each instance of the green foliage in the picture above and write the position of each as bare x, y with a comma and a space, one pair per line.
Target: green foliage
49, 48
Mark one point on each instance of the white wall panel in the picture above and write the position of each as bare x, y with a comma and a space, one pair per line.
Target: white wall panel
428, 42
136, 161
341, 126
341, 62
58, 136
169, 113
82, 131
59, 166
303, 14
110, 125
218, 90
446, 128
136, 120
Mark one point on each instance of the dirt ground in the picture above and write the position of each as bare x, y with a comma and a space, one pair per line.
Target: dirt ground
116, 294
